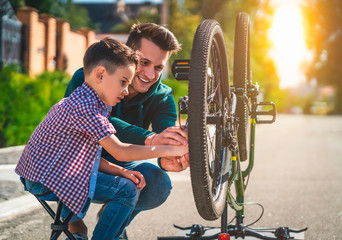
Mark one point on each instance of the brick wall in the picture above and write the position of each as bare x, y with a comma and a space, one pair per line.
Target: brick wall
50, 44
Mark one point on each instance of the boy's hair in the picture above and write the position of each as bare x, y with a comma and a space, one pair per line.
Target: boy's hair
159, 35
109, 53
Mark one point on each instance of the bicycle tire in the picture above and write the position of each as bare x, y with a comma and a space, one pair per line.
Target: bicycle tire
241, 78
208, 99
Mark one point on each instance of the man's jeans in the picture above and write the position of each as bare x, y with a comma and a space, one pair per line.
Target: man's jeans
158, 184
120, 194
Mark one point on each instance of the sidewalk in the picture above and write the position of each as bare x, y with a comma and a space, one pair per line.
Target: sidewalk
10, 185
10, 155
13, 198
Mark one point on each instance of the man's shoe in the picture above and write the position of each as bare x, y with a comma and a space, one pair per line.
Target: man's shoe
79, 236
123, 235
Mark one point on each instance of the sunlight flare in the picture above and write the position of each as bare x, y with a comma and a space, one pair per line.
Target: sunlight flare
289, 50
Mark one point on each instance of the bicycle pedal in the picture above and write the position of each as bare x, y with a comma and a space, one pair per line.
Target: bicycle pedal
267, 116
180, 69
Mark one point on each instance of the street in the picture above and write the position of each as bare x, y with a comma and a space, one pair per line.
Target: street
297, 177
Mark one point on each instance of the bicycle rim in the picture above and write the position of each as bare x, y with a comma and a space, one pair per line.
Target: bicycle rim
208, 103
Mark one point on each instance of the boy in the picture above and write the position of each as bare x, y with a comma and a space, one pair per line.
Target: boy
63, 154
148, 106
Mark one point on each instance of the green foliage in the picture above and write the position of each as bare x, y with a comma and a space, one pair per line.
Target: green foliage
76, 15
16, 4
183, 25
179, 88
44, 6
122, 27
145, 16
323, 36
25, 103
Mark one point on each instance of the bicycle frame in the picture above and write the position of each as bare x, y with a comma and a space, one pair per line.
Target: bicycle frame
238, 175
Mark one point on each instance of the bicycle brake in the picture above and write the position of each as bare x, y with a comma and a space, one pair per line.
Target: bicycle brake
283, 233
196, 231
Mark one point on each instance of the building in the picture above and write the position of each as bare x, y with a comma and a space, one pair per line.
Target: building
10, 35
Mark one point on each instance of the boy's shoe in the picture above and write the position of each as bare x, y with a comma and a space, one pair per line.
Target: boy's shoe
79, 236
123, 235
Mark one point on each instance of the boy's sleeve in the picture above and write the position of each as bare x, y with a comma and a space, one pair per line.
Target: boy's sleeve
129, 133
92, 123
76, 81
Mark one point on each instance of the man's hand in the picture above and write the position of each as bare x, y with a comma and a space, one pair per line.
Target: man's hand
175, 164
170, 136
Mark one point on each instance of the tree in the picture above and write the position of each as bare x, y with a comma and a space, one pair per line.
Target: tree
16, 4
44, 6
324, 36
184, 20
183, 24
145, 16
76, 15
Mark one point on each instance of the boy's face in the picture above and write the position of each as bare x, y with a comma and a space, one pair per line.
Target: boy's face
151, 64
115, 86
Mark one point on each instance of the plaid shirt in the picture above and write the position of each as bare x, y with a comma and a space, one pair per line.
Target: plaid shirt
61, 151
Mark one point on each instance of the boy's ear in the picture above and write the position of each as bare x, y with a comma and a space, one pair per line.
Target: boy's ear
99, 71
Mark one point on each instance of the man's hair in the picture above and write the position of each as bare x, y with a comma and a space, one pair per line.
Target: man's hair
109, 53
159, 35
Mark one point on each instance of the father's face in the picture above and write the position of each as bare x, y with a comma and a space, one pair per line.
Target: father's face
151, 64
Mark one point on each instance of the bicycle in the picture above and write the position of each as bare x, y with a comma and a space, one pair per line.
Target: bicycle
221, 121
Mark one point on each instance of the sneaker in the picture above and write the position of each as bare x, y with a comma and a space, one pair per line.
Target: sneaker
123, 235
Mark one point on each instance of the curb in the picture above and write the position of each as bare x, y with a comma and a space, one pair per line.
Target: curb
19, 205
11, 155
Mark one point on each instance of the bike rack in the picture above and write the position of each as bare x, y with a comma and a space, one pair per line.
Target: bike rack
180, 70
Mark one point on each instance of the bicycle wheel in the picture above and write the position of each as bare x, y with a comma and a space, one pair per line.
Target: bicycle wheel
207, 118
242, 76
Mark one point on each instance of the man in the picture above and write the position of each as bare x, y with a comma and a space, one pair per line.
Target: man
148, 104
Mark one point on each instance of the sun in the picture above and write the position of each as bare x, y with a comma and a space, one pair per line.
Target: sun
289, 50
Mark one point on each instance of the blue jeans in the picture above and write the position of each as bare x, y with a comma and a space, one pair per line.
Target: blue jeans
158, 184
121, 196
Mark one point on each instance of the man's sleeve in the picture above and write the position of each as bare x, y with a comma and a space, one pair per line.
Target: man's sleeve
76, 81
129, 133
165, 115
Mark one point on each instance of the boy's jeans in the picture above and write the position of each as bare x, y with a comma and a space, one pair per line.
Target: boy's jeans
120, 194
158, 184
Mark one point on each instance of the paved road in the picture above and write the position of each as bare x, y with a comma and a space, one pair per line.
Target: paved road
297, 178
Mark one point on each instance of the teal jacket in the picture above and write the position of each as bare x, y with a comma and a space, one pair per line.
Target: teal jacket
155, 110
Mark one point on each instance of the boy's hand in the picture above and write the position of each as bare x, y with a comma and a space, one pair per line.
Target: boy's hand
135, 177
